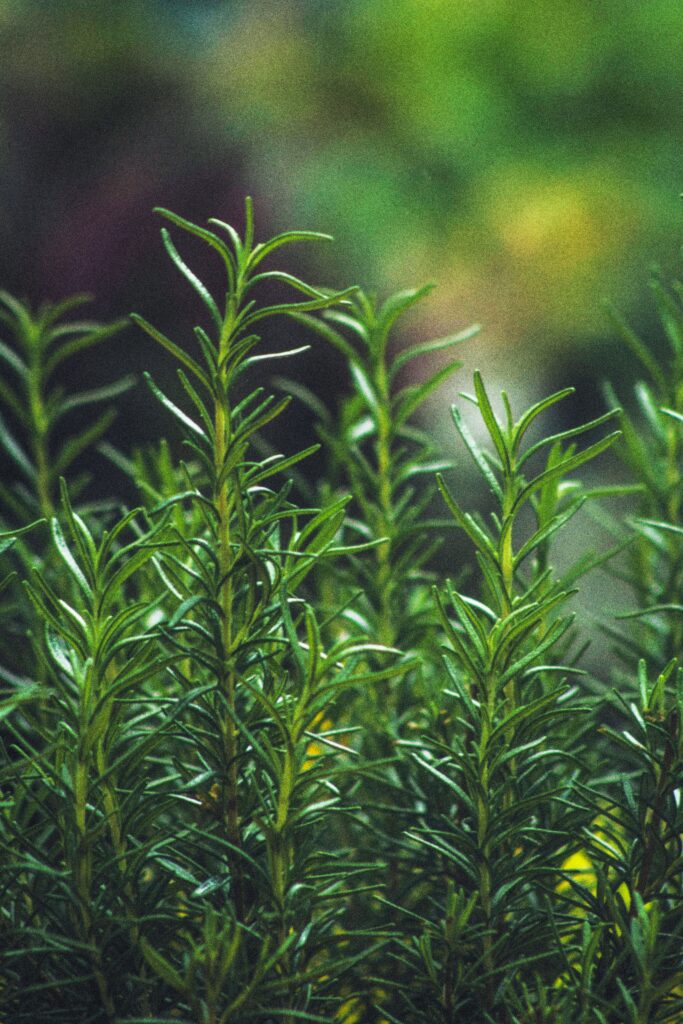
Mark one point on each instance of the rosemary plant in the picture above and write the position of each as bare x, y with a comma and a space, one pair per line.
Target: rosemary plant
35, 411
497, 773
35, 400
259, 761
626, 964
378, 453
651, 449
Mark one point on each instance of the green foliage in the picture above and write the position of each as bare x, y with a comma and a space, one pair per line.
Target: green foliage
378, 454
261, 762
37, 442
36, 402
651, 449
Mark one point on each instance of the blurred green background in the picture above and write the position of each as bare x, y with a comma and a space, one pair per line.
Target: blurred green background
525, 155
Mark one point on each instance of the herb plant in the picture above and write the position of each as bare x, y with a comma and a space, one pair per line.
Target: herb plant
260, 761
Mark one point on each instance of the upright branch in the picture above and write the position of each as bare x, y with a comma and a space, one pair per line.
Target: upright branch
499, 787
653, 451
221, 439
381, 455
36, 402
241, 629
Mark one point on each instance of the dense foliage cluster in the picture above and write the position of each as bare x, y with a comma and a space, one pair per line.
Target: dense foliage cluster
259, 761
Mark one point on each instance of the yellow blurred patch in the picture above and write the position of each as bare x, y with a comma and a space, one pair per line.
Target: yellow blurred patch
352, 1011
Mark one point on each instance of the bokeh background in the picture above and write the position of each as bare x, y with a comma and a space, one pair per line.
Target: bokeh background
524, 155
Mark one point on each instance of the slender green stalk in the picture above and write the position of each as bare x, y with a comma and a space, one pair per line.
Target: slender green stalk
42, 342
225, 499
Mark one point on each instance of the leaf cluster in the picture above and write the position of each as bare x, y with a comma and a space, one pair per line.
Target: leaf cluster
260, 761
